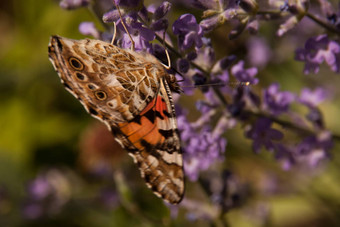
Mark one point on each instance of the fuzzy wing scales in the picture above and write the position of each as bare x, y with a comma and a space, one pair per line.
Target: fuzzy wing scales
152, 140
111, 83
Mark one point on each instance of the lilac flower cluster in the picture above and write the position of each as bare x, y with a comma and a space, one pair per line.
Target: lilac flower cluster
201, 148
203, 145
46, 195
318, 50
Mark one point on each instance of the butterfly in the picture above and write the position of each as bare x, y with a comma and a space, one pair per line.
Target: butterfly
131, 93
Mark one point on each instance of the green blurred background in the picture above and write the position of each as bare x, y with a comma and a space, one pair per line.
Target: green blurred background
43, 127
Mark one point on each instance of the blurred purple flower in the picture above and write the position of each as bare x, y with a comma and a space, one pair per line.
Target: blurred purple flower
263, 135
88, 28
333, 14
203, 146
46, 194
315, 148
32, 210
73, 4
206, 55
317, 50
109, 198
183, 65
310, 152
244, 75
40, 188
312, 98
226, 62
188, 31
285, 156
259, 53
275, 101
253, 27
290, 23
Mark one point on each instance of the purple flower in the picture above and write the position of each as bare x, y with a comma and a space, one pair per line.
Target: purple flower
158, 22
183, 65
244, 75
315, 148
253, 27
290, 23
32, 210
73, 4
111, 16
162, 10
88, 28
312, 98
203, 146
188, 31
317, 50
46, 194
277, 102
259, 53
206, 55
310, 152
40, 188
140, 34
263, 135
285, 156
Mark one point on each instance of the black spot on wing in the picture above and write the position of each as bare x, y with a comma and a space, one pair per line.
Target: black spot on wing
166, 113
92, 111
59, 44
150, 115
150, 149
147, 145
137, 119
147, 176
166, 133
159, 115
66, 85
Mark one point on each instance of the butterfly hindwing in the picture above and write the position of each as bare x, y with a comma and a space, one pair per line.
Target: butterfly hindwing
152, 140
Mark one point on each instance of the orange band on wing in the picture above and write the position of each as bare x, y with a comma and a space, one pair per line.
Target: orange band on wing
144, 128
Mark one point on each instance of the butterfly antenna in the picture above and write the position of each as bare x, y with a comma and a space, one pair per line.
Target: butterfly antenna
121, 19
114, 33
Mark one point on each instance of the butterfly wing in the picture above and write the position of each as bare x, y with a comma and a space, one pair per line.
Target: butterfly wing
129, 93
152, 140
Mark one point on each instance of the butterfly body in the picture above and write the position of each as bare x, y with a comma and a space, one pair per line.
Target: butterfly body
131, 93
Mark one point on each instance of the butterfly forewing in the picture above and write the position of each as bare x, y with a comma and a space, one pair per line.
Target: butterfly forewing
129, 92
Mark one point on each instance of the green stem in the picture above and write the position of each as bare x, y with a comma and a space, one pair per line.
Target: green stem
322, 23
317, 20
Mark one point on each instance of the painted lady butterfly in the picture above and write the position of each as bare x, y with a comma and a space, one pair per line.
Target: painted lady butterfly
131, 93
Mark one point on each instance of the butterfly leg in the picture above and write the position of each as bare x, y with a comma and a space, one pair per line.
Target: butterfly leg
114, 32
166, 52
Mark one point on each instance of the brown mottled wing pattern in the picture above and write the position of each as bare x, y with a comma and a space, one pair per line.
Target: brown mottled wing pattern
130, 93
